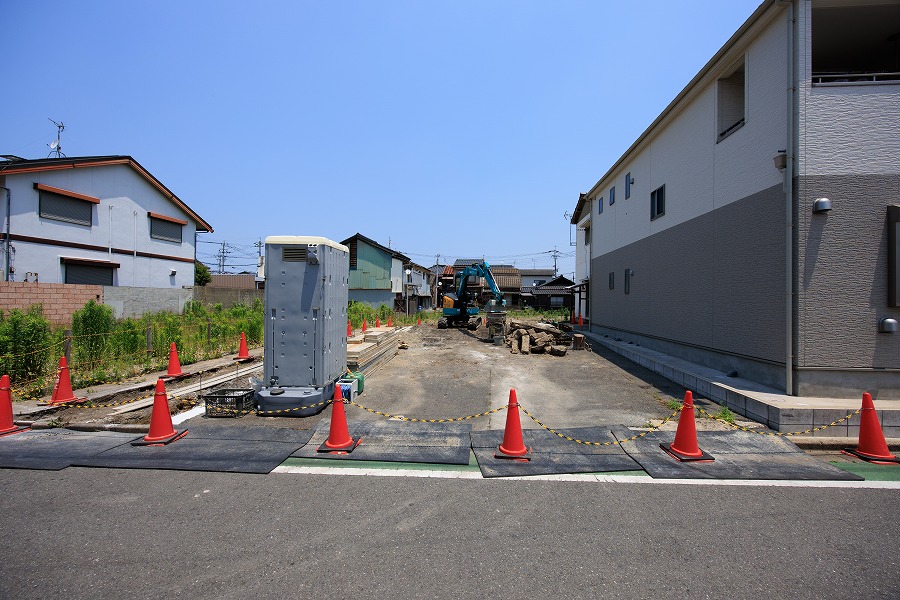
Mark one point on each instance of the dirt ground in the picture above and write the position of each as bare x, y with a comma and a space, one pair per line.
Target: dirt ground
451, 373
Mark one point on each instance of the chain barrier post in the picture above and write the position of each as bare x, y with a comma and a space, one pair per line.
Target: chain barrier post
67, 345
339, 439
685, 447
513, 447
872, 447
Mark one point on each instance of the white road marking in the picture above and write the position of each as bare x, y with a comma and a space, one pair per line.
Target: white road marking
585, 477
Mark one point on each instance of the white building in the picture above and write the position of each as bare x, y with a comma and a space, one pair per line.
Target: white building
99, 220
711, 237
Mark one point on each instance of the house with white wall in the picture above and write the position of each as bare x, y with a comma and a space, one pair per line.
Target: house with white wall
753, 226
102, 220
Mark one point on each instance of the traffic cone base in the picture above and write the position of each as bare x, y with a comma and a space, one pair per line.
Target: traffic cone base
62, 390
161, 430
702, 457
875, 460
872, 446
243, 353
160, 442
15, 429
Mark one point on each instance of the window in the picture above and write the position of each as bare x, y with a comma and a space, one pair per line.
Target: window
628, 185
587, 235
612, 195
658, 202
63, 205
730, 109
853, 44
557, 301
600, 205
612, 280
88, 272
628, 274
352, 247
165, 228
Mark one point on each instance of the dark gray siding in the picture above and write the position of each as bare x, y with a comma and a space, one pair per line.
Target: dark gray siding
715, 282
842, 273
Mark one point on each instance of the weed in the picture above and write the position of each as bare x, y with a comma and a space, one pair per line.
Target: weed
725, 414
673, 404
57, 422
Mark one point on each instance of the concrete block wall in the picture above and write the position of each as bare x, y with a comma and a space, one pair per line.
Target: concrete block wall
136, 302
59, 300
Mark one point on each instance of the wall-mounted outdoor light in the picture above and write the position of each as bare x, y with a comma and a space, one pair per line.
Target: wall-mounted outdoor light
887, 325
780, 160
821, 205
172, 273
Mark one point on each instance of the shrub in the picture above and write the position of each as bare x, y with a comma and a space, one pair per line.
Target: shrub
25, 344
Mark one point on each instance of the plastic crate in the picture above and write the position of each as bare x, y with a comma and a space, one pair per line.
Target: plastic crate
229, 403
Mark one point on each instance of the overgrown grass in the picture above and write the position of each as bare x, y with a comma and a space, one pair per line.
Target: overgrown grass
104, 350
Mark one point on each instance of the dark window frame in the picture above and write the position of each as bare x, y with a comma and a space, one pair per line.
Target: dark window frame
163, 229
612, 195
658, 202
628, 185
48, 201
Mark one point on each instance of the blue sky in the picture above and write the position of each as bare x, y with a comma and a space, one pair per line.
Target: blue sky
462, 128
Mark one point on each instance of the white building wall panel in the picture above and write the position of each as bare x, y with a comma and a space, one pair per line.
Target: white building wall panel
124, 226
701, 175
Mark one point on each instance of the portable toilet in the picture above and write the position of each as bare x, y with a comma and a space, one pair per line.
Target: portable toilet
305, 324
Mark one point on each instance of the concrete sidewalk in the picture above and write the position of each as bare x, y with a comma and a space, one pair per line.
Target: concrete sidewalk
765, 405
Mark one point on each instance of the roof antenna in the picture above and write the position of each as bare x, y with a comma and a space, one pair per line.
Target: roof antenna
55, 147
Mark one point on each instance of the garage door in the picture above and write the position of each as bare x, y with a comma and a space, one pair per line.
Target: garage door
89, 274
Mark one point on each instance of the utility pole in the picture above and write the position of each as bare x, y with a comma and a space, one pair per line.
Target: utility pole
221, 257
259, 246
555, 254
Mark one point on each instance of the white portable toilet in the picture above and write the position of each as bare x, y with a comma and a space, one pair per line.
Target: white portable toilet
305, 327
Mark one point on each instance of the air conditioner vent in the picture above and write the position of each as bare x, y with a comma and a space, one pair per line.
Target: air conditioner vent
293, 254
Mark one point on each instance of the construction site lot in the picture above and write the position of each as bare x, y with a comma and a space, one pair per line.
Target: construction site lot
443, 380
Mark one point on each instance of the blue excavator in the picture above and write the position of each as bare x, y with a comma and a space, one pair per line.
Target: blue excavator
460, 308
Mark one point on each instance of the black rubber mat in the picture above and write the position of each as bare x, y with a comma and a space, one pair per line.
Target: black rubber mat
209, 448
551, 454
55, 449
398, 441
737, 454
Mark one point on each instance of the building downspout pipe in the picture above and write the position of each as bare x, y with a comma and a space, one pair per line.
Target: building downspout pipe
789, 214
6, 238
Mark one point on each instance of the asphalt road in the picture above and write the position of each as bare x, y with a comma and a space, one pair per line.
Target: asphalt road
96, 533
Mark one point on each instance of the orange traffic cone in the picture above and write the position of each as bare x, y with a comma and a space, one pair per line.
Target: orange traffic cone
174, 371
62, 391
872, 446
572, 318
391, 321
161, 430
685, 446
377, 322
7, 426
349, 329
580, 321
339, 439
513, 446
418, 320
365, 326
243, 354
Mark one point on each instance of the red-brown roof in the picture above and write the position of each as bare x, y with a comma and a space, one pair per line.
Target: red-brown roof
83, 162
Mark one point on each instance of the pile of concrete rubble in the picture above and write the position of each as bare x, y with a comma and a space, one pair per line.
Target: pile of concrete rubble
537, 338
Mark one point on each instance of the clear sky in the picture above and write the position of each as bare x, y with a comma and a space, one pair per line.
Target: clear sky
460, 128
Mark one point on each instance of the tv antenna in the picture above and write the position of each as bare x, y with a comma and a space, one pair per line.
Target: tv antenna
55, 147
